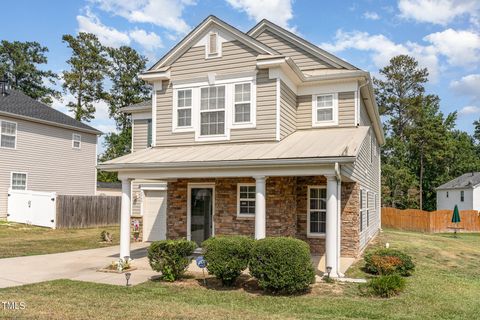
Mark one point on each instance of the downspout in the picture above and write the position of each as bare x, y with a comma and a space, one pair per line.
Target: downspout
359, 95
339, 214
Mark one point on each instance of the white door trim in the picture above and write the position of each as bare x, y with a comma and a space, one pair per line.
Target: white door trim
191, 186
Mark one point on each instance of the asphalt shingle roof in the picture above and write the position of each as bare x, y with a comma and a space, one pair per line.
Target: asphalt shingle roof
467, 180
18, 103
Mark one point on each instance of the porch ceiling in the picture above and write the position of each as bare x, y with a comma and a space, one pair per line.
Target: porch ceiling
302, 147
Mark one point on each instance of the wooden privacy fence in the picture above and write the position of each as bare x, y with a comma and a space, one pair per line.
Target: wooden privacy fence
429, 221
87, 211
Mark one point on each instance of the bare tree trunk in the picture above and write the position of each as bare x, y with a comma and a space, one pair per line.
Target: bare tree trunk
421, 178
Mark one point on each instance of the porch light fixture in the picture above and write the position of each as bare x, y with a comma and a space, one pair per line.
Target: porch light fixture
127, 277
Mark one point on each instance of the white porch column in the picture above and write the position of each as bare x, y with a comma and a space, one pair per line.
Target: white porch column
260, 210
125, 219
332, 230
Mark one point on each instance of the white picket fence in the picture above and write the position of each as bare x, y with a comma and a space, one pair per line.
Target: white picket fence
32, 207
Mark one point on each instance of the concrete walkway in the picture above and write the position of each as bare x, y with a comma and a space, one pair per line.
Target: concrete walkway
75, 265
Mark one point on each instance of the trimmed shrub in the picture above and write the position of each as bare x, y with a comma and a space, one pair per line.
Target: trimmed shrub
384, 286
389, 261
227, 256
282, 265
171, 257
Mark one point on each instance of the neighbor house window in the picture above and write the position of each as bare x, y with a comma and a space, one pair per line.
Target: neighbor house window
462, 196
76, 141
246, 200
324, 109
8, 136
19, 181
447, 194
242, 107
317, 210
212, 111
184, 108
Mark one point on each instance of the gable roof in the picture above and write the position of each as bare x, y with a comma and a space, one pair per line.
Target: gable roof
304, 44
16, 104
195, 34
466, 181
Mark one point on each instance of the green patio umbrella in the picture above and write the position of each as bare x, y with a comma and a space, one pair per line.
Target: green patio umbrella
456, 215
455, 219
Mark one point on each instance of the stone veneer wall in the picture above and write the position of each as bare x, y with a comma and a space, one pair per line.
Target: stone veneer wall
286, 205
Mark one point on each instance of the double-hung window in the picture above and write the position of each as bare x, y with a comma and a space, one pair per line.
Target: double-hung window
246, 200
325, 109
76, 141
362, 208
462, 196
8, 137
243, 105
317, 211
368, 208
184, 108
19, 181
212, 111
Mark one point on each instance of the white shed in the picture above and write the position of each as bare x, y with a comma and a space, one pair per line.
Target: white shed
463, 191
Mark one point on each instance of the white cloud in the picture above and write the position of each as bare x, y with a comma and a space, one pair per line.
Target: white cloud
163, 13
468, 85
371, 15
277, 11
383, 49
107, 35
469, 110
150, 41
437, 11
462, 48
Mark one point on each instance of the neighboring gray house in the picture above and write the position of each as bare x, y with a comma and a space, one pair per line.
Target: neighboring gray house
259, 133
463, 191
43, 149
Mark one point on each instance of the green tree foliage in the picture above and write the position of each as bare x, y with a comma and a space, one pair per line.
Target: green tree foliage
88, 65
125, 64
422, 149
20, 61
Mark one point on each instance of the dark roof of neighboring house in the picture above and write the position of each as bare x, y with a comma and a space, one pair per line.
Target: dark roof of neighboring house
141, 106
109, 185
17, 104
467, 180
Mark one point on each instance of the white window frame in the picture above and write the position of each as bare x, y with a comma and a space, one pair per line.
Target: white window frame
216, 54
11, 179
309, 233
253, 115
334, 121
79, 141
224, 135
175, 127
229, 102
14, 135
244, 215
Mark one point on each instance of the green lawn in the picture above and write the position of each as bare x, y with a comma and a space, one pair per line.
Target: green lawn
24, 240
446, 285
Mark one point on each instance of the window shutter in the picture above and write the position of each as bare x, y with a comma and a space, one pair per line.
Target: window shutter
149, 133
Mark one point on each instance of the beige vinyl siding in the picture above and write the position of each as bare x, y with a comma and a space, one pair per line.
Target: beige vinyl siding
303, 59
236, 57
140, 134
288, 111
346, 110
367, 173
364, 118
45, 153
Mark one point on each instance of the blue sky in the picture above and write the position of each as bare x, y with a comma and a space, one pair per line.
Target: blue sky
443, 35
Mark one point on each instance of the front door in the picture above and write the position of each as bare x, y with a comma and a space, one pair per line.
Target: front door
201, 209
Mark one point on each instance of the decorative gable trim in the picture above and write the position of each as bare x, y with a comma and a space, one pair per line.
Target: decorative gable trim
196, 34
302, 43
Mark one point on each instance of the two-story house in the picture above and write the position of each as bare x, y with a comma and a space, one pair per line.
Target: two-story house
43, 149
259, 133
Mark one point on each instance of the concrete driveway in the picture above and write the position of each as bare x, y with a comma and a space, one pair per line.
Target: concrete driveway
75, 265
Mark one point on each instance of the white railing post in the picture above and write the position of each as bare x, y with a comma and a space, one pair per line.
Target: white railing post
260, 209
